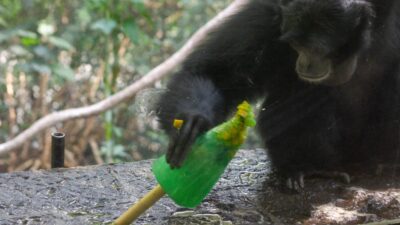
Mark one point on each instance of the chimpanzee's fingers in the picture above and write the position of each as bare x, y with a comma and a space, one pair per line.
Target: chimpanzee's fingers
199, 125
180, 145
182, 141
172, 147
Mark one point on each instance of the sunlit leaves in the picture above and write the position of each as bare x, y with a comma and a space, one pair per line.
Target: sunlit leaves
106, 26
3, 22
131, 29
46, 29
9, 9
62, 71
40, 68
19, 51
42, 52
84, 17
26, 33
26, 41
60, 43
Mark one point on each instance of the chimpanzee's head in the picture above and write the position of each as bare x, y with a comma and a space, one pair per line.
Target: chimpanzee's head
328, 35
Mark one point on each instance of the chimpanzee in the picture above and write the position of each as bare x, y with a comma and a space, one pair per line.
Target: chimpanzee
329, 72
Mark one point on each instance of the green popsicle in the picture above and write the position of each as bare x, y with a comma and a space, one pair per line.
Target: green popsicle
207, 160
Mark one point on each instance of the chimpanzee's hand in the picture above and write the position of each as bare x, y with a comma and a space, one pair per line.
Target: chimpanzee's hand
182, 139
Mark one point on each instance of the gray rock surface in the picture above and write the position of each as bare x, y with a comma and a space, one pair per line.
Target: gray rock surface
246, 194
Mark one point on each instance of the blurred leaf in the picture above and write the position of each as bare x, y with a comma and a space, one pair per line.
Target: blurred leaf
27, 41
3, 37
24, 67
131, 30
26, 33
61, 43
42, 52
63, 71
41, 68
28, 38
97, 4
20, 51
143, 11
119, 151
10, 9
7, 35
118, 132
104, 25
83, 17
3, 22
140, 7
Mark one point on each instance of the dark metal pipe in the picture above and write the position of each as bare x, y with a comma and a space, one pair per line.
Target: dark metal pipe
57, 149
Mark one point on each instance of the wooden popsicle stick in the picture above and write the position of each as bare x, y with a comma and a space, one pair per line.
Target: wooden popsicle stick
140, 207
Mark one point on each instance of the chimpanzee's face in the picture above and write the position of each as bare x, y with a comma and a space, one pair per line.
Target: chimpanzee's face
328, 36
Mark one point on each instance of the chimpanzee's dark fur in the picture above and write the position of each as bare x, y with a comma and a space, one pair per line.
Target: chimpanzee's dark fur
305, 125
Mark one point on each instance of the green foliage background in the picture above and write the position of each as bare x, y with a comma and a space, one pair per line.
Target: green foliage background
61, 54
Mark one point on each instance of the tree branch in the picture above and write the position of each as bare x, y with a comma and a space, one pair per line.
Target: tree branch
157, 73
